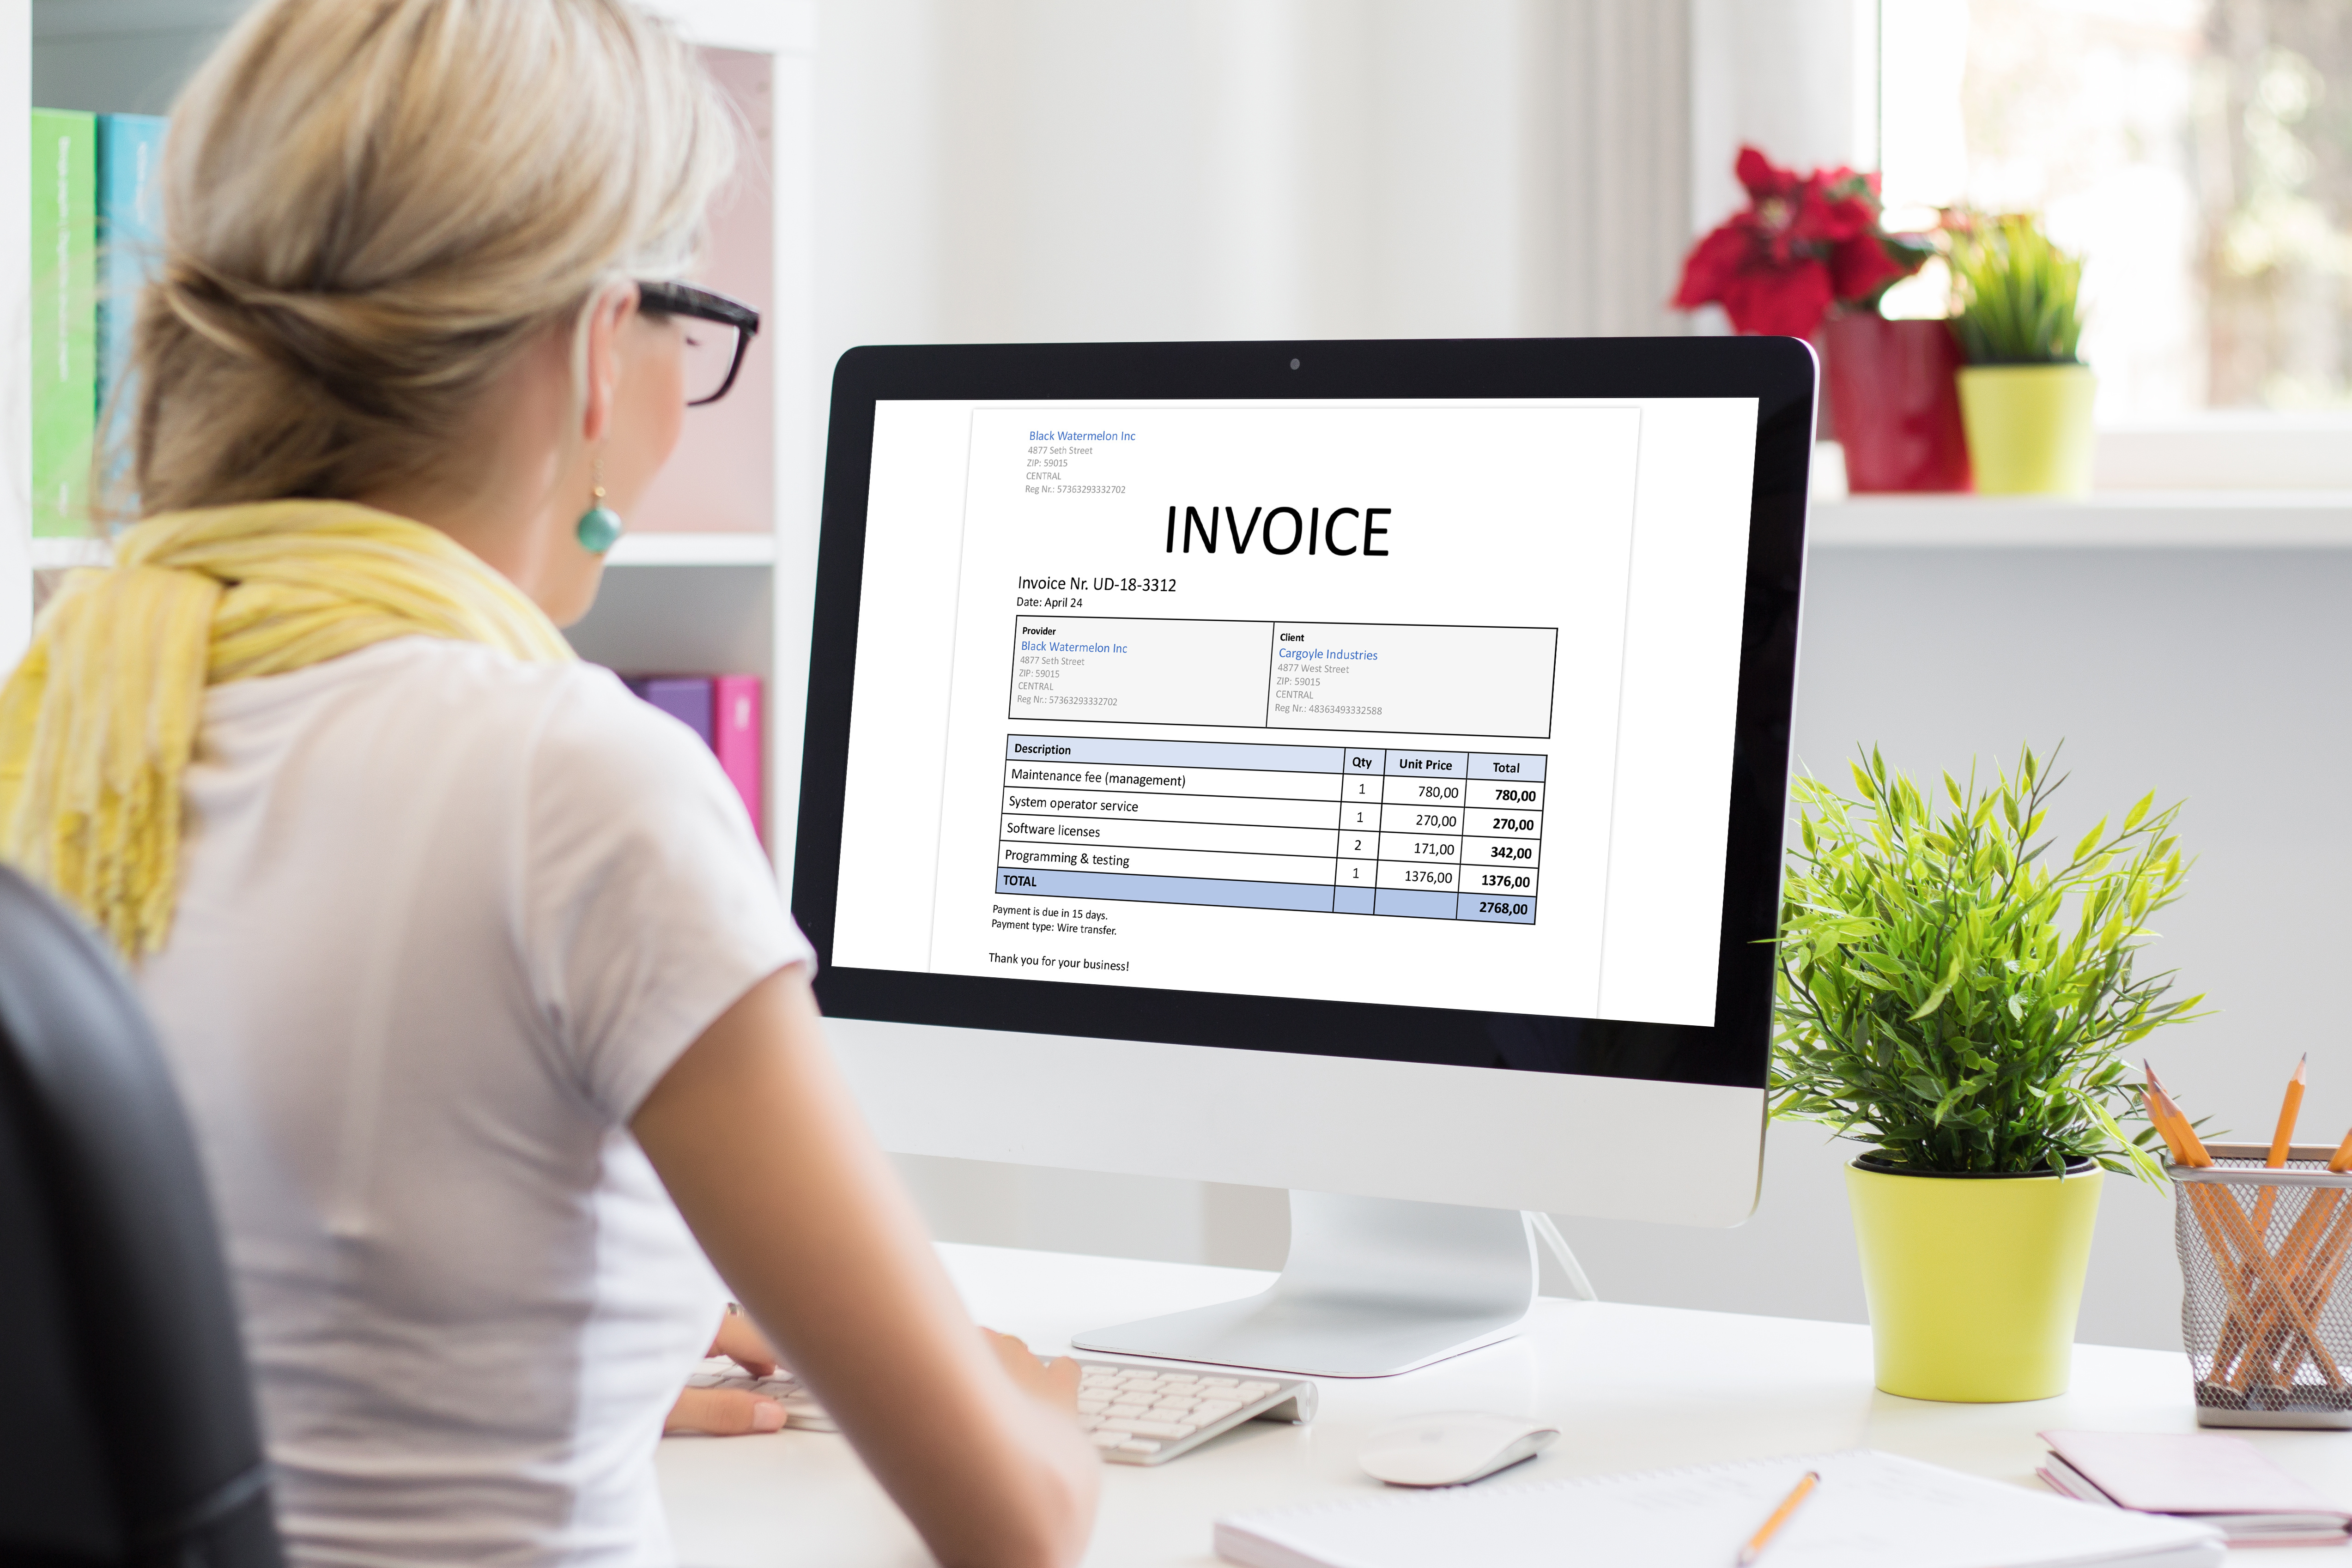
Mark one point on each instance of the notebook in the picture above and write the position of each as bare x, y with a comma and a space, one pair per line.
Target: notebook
130, 153
2225, 1481
64, 326
1871, 1510
686, 699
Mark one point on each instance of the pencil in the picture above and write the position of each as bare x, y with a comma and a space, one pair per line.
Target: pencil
2303, 1242
2327, 1263
2303, 1254
2281, 1141
2291, 1107
2263, 1269
2191, 1146
2237, 1325
1780, 1516
2299, 1256
2163, 1126
2313, 1282
2317, 1262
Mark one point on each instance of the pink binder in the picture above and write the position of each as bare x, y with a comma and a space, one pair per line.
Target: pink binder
735, 735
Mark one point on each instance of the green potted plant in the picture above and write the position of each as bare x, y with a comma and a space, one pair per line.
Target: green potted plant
1960, 997
2025, 394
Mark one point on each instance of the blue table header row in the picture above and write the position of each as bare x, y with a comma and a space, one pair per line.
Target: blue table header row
1101, 751
1048, 749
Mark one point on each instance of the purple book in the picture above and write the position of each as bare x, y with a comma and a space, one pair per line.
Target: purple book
686, 699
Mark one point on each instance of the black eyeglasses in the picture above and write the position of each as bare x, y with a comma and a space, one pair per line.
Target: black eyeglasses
719, 332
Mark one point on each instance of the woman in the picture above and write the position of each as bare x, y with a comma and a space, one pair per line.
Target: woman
481, 996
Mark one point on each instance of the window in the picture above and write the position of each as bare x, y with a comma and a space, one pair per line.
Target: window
2198, 153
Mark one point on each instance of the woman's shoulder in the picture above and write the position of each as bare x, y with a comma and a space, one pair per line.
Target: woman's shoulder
412, 672
467, 684
568, 727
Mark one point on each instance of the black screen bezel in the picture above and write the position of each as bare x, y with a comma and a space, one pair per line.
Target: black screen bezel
1779, 372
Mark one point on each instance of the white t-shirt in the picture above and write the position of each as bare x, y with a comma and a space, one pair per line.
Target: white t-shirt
444, 918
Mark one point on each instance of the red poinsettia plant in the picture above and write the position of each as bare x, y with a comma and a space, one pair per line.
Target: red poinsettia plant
1805, 244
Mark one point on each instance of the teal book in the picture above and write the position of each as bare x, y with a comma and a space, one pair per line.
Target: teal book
129, 236
64, 318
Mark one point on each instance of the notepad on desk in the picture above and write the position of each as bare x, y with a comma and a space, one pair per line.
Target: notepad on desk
1871, 1510
2223, 1481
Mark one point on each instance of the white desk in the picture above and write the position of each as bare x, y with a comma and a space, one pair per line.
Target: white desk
1630, 1387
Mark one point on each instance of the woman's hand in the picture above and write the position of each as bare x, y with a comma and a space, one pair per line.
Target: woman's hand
731, 1412
722, 1413
741, 1340
1054, 1384
739, 1412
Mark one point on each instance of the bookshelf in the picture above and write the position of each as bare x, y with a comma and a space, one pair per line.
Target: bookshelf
716, 571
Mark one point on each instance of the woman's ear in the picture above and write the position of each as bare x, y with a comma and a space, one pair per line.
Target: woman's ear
610, 312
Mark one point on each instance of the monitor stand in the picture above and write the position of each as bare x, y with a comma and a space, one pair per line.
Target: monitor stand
1373, 1286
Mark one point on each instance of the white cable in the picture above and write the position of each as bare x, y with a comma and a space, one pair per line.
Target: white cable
1578, 1285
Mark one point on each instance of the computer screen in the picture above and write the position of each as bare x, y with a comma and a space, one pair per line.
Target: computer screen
1348, 722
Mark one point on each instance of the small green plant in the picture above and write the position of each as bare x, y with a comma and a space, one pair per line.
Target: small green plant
1932, 998
2018, 293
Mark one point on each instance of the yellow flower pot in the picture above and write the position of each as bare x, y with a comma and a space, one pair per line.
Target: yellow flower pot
1974, 1282
2028, 428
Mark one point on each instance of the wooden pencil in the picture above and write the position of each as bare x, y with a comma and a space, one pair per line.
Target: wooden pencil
2238, 1319
2315, 1247
2282, 1140
2316, 1270
2302, 1240
2266, 1340
2313, 1285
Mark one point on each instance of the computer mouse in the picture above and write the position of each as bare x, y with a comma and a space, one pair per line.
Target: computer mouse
1451, 1448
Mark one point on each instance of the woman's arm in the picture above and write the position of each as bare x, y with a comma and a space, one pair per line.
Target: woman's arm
769, 1159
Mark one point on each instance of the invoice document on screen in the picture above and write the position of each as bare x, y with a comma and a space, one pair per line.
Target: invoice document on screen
1426, 704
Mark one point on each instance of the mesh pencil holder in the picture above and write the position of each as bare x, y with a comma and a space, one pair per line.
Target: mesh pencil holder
2266, 1291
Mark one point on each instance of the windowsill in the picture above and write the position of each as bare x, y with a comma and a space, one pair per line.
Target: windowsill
2142, 519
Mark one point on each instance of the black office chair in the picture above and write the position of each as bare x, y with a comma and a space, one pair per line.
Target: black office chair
127, 1432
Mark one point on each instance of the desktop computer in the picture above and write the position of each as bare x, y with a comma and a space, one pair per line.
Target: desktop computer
1356, 767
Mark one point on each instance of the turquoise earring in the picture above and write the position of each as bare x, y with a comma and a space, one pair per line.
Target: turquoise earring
599, 526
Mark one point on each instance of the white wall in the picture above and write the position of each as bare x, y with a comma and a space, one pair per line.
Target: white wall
1050, 169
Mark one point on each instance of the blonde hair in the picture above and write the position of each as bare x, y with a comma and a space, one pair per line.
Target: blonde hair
371, 206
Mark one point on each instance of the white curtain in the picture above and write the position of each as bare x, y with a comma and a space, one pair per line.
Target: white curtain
1069, 169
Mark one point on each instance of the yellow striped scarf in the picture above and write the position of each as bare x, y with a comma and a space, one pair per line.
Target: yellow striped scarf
98, 723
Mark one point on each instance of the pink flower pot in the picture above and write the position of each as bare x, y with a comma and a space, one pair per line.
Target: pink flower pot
1894, 402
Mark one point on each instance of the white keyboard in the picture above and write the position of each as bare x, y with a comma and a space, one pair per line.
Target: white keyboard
1134, 1415
1149, 1414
